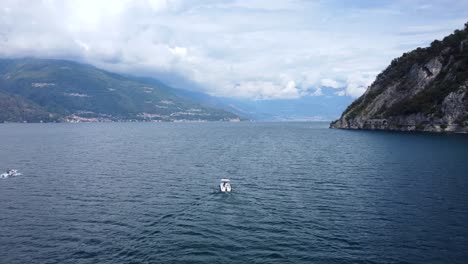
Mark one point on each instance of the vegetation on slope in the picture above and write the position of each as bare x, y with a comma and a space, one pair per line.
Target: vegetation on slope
71, 89
413, 94
449, 79
17, 109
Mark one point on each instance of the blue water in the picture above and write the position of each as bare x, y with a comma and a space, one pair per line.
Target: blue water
302, 193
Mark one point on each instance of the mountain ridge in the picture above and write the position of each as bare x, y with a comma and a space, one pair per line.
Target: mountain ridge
68, 91
423, 90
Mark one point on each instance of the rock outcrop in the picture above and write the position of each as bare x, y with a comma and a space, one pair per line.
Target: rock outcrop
423, 90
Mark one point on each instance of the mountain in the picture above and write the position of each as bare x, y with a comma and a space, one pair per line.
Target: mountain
423, 90
18, 109
306, 108
33, 90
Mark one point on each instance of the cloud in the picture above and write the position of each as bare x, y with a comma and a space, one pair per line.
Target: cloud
424, 6
265, 90
357, 84
317, 92
340, 93
251, 49
331, 83
178, 51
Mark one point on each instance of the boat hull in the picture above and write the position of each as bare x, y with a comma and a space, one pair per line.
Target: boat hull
225, 188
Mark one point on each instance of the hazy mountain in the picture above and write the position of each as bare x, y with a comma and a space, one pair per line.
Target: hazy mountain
423, 90
310, 108
59, 90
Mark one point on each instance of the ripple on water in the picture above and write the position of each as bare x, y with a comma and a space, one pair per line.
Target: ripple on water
147, 193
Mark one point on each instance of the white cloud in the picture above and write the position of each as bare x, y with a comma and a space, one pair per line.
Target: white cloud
264, 90
424, 6
341, 93
331, 83
356, 84
178, 51
82, 45
317, 92
253, 49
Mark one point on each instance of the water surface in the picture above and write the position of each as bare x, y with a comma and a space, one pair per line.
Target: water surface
302, 193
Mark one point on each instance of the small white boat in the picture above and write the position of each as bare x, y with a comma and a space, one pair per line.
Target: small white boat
225, 185
10, 173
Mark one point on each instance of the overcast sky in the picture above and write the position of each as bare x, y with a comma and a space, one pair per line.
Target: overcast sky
257, 49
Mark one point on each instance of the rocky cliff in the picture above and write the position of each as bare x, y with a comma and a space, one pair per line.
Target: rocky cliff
423, 90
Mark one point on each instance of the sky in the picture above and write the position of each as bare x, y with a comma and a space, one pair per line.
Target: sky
249, 49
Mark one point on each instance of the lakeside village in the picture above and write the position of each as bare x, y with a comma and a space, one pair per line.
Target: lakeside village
89, 117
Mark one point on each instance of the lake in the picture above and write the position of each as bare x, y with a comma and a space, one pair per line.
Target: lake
302, 193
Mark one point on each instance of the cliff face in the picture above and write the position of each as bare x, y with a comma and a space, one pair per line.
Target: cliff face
423, 90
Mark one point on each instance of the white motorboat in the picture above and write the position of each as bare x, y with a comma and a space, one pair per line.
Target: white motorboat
225, 185
10, 173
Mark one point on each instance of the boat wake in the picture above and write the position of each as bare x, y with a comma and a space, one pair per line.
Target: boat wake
9, 173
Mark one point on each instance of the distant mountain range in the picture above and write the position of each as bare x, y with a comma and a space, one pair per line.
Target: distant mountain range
35, 90
423, 90
307, 108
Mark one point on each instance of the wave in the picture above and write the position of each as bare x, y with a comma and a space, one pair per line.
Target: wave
6, 175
